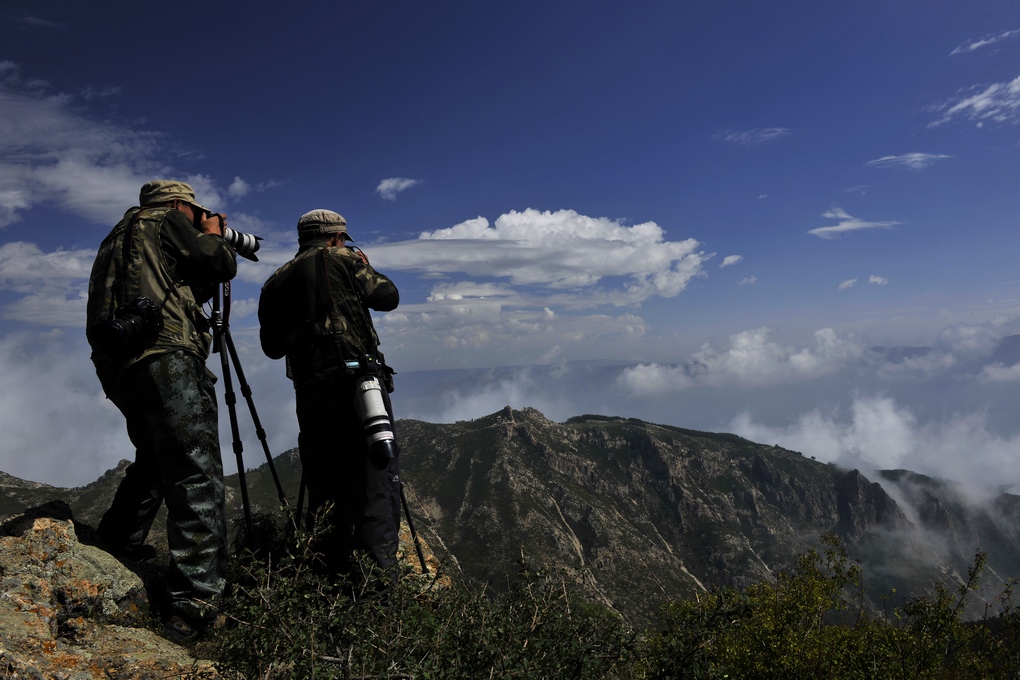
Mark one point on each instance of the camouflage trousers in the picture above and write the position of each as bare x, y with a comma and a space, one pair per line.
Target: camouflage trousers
337, 470
170, 406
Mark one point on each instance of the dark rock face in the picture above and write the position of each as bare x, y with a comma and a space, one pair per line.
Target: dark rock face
641, 513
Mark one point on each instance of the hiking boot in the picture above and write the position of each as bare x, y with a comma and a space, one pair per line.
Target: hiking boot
179, 631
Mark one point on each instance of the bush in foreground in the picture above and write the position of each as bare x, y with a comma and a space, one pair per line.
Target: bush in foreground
290, 621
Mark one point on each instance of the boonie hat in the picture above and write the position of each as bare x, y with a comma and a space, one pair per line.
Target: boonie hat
163, 190
321, 222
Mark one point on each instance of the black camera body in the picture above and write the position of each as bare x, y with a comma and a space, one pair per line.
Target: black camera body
137, 321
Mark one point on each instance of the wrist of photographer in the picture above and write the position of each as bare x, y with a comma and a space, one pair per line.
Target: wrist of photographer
213, 224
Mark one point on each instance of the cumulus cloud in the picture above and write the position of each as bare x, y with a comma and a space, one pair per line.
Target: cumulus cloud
998, 372
389, 188
751, 359
911, 161
847, 224
877, 433
986, 41
555, 259
849, 283
238, 188
996, 103
878, 280
752, 138
730, 260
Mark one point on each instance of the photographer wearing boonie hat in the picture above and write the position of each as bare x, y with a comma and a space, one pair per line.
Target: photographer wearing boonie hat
150, 340
315, 312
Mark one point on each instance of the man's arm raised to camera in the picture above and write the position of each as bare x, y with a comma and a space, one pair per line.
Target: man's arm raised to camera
203, 253
378, 292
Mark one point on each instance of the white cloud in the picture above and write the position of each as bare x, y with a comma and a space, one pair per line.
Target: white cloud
238, 188
847, 224
52, 153
25, 268
878, 433
748, 281
756, 137
651, 379
878, 280
58, 426
974, 340
389, 188
997, 103
911, 161
54, 284
464, 330
751, 359
986, 41
730, 260
998, 372
849, 283
563, 257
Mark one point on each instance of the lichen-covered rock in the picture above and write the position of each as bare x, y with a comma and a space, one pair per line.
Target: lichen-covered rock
71, 611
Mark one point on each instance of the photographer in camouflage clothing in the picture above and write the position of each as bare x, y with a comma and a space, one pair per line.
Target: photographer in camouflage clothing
150, 340
315, 311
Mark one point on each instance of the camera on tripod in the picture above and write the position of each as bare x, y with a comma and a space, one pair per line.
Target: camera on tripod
246, 245
135, 322
371, 408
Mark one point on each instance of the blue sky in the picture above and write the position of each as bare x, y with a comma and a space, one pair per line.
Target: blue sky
734, 201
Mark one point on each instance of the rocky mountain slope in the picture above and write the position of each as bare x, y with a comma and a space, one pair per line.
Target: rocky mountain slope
640, 513
644, 512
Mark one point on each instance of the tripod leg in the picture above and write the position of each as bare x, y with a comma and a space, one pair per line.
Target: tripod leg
231, 400
300, 497
414, 534
246, 392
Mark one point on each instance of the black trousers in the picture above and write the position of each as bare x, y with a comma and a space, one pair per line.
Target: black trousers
337, 469
170, 408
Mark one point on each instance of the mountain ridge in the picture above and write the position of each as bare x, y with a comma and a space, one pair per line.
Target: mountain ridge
640, 513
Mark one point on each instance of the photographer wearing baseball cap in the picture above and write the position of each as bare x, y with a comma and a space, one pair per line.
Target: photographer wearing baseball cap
150, 340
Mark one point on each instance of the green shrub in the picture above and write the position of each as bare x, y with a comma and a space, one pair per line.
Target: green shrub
810, 622
290, 621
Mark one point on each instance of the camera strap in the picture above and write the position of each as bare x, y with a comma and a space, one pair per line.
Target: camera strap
120, 281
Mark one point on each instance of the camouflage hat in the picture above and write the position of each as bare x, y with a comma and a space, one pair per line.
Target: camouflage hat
164, 190
321, 223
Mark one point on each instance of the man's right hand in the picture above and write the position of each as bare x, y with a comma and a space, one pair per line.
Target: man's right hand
213, 223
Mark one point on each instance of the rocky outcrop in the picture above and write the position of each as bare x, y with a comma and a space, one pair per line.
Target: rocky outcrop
69, 610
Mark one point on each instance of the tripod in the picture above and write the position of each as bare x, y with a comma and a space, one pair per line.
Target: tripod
223, 344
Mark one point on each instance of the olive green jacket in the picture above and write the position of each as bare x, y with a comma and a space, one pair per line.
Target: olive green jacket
315, 311
156, 253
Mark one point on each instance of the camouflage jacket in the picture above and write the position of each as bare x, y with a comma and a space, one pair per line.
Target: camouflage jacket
315, 311
156, 253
